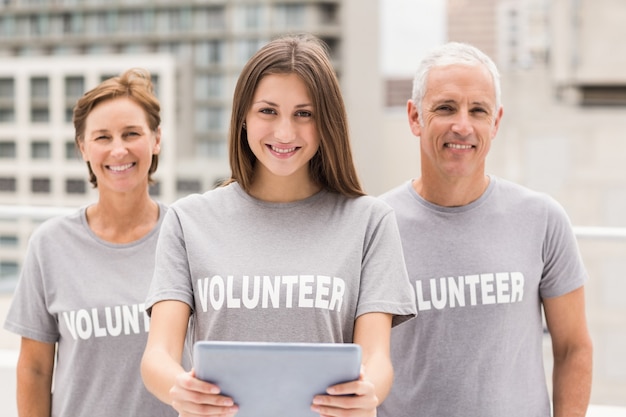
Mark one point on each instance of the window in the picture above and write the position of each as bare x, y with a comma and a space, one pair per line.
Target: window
39, 115
155, 189
178, 20
71, 153
212, 148
289, 16
209, 86
8, 184
7, 88
134, 22
8, 150
7, 26
210, 118
9, 269
209, 53
252, 16
40, 150
188, 186
72, 23
38, 25
247, 48
329, 13
7, 115
74, 87
75, 186
40, 185
210, 19
8, 241
39, 88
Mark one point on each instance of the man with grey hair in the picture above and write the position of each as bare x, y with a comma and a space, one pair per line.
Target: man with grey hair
484, 256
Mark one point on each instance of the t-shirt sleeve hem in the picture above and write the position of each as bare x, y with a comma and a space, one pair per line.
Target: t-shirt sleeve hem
30, 333
167, 296
401, 312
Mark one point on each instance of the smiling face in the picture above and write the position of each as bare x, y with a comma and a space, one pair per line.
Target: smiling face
460, 120
281, 129
118, 144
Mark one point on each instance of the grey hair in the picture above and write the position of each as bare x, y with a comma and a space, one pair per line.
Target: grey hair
452, 53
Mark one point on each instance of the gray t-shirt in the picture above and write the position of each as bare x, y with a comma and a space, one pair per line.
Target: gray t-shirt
479, 272
87, 295
281, 272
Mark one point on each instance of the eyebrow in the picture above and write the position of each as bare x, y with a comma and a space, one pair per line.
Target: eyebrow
452, 101
298, 106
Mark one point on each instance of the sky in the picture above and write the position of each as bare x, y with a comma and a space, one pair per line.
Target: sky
409, 28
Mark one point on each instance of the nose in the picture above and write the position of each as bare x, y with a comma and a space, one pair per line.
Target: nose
285, 131
119, 148
462, 124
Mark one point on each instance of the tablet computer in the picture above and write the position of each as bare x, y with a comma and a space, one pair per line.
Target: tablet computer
275, 379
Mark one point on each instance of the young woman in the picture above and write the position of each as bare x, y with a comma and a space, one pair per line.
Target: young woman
288, 250
79, 302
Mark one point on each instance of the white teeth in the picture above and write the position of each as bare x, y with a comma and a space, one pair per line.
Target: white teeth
120, 167
457, 146
282, 150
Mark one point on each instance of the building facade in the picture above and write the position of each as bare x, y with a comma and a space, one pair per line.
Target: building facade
53, 50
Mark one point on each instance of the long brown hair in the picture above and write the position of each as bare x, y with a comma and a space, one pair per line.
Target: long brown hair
134, 84
307, 57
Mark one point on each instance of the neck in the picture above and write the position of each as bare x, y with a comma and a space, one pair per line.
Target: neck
451, 192
123, 218
277, 189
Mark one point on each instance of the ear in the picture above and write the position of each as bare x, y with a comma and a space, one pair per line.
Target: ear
496, 123
414, 120
157, 142
81, 149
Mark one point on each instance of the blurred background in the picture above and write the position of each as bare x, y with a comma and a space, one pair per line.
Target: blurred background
563, 71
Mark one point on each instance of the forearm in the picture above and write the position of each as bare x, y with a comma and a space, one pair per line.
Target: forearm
34, 397
159, 371
379, 371
571, 380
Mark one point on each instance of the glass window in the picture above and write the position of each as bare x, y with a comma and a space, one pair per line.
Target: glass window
72, 23
7, 88
210, 118
39, 87
74, 87
71, 153
8, 184
9, 269
40, 185
188, 186
8, 150
39, 115
8, 241
212, 18
155, 189
178, 20
133, 22
247, 48
251, 16
7, 115
212, 148
100, 23
75, 186
40, 150
209, 53
38, 25
209, 86
7, 26
329, 13
289, 16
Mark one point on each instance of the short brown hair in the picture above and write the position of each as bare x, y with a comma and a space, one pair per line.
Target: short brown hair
135, 84
307, 57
